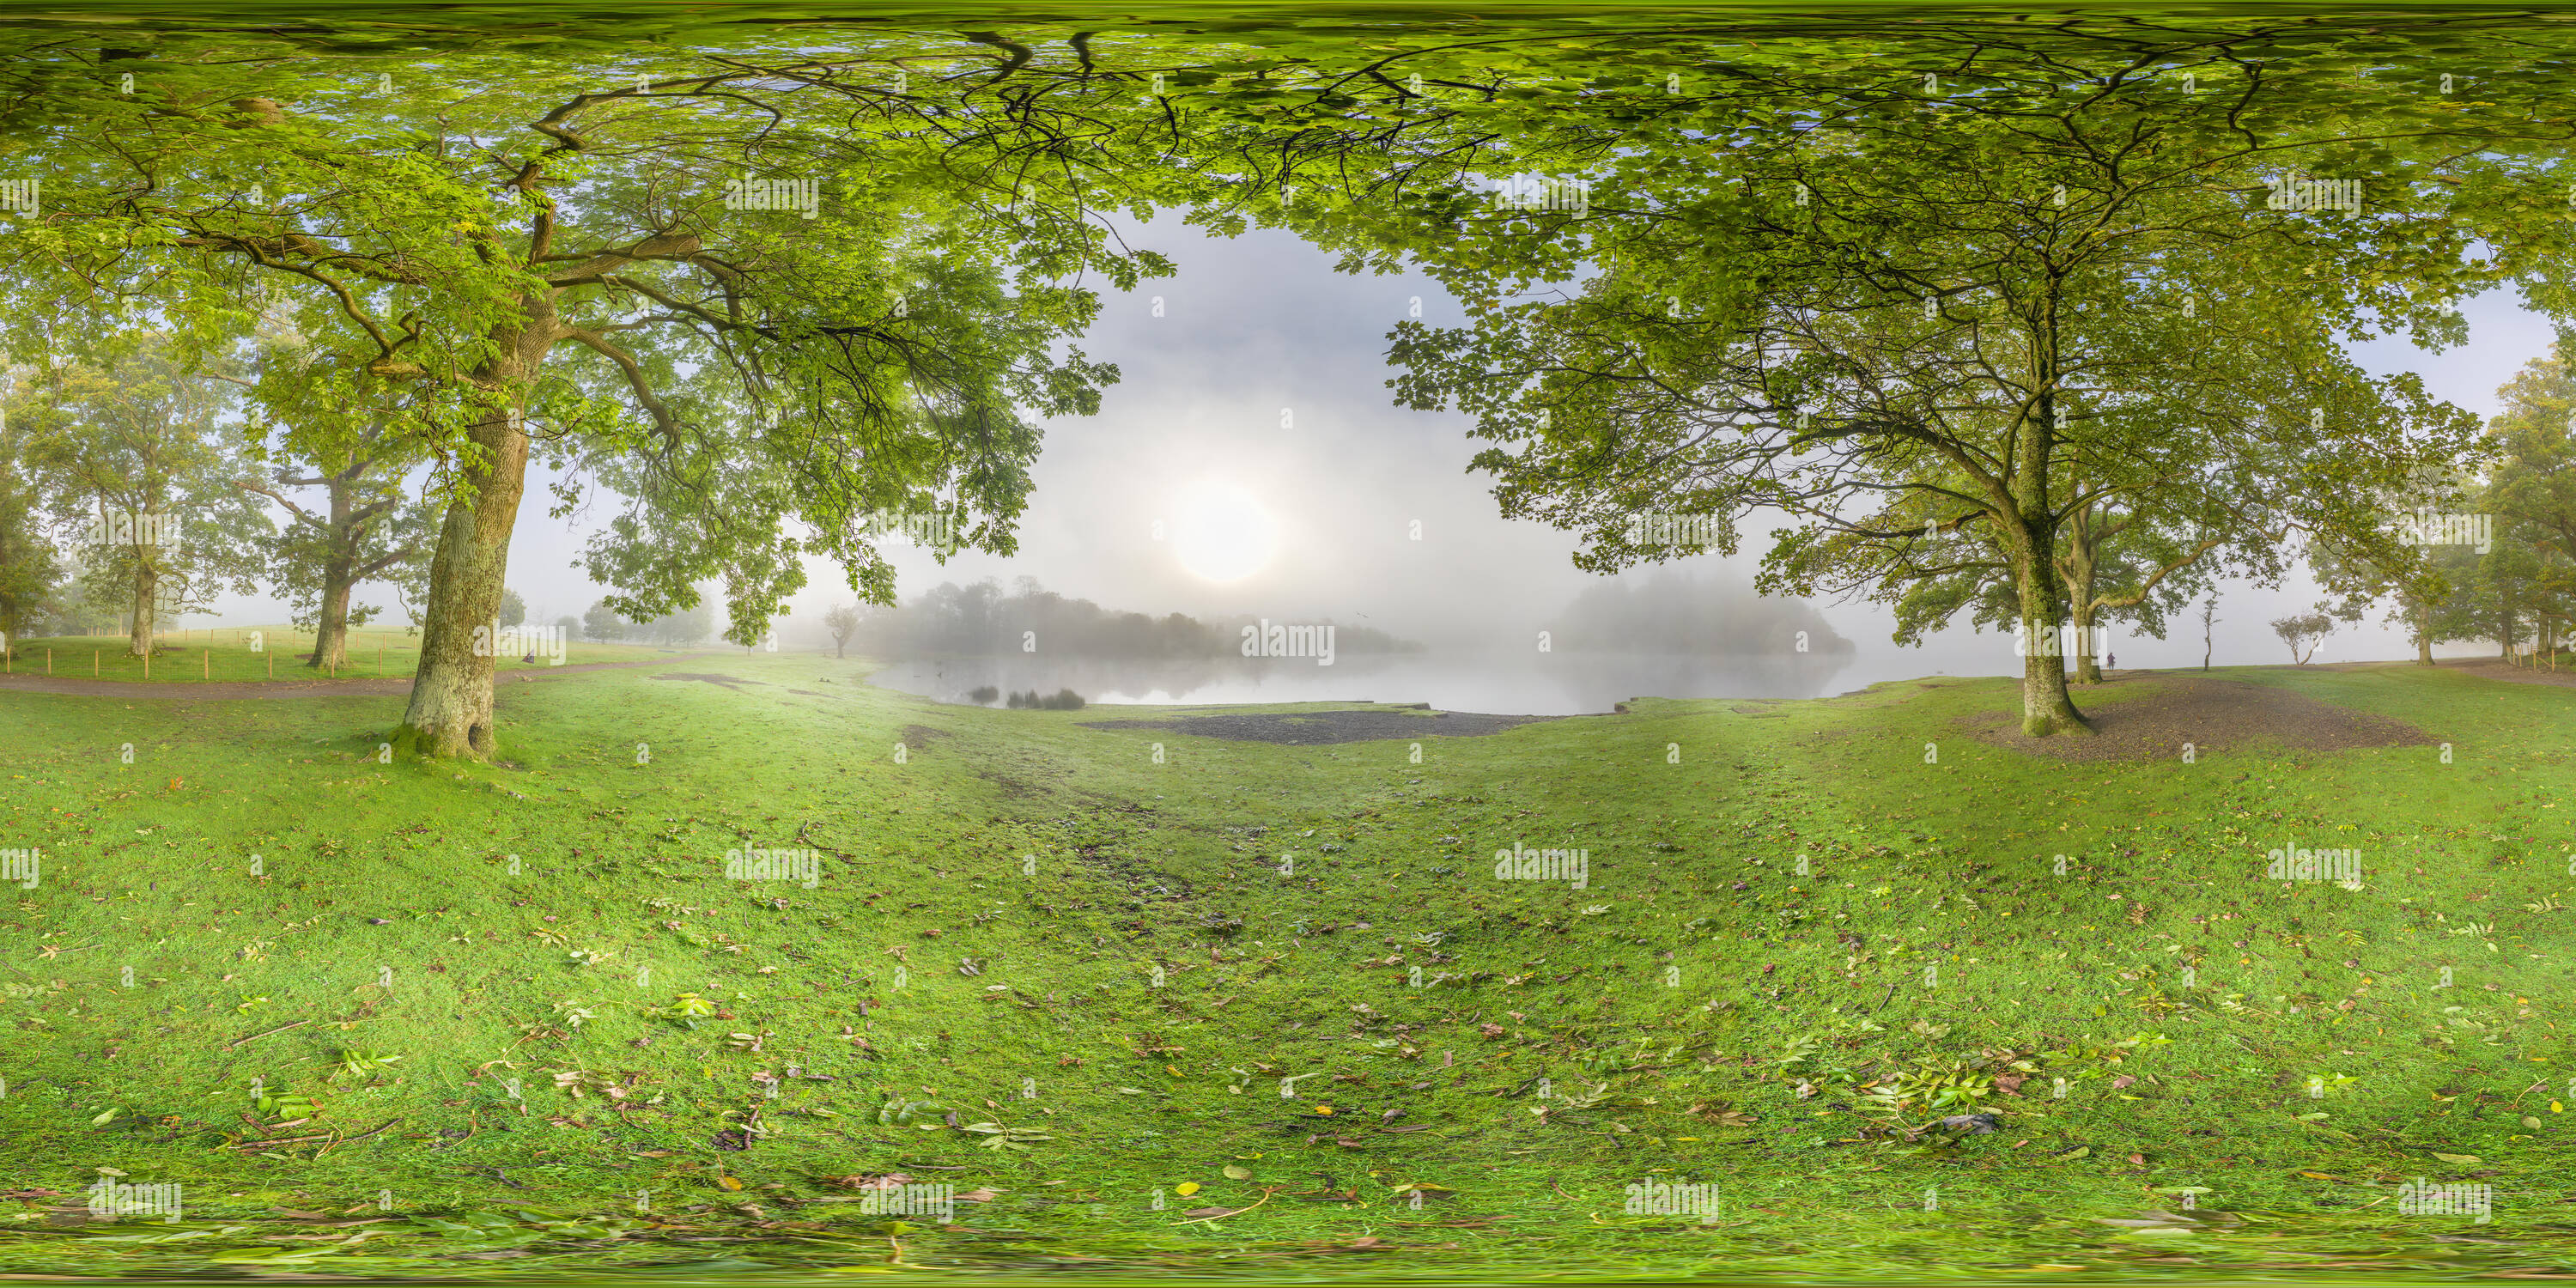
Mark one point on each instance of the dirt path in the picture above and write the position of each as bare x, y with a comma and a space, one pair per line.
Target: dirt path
234, 690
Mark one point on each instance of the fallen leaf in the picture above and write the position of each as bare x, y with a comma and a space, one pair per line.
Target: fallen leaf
727, 1183
1201, 1213
2457, 1158
1186, 1188
1235, 1173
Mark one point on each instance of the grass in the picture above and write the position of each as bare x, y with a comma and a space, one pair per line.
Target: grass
265, 653
1798, 944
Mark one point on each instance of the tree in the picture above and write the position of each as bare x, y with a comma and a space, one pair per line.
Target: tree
1937, 337
2533, 495
683, 626
602, 623
842, 620
514, 609
30, 568
128, 448
731, 365
2426, 573
342, 432
2303, 633
2208, 629
568, 626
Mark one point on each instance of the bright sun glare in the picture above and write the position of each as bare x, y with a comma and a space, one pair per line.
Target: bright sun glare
1221, 533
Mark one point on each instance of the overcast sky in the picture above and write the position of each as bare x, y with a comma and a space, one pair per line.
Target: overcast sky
1260, 327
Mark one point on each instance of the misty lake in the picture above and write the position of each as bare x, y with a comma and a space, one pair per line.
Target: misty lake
1553, 684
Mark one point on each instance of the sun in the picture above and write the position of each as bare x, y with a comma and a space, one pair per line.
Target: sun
1220, 533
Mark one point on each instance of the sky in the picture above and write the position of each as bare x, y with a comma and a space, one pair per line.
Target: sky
1256, 378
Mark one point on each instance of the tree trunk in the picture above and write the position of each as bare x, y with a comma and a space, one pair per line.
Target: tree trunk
331, 623
331, 628
451, 694
2082, 549
2045, 708
2030, 538
147, 586
2423, 632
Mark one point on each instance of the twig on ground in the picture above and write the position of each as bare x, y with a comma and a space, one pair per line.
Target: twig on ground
257, 1036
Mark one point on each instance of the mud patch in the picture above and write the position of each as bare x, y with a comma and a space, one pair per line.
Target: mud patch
729, 681
1007, 785
921, 735
2160, 713
1316, 728
2496, 669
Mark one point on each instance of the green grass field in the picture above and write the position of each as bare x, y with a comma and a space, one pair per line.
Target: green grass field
513, 1020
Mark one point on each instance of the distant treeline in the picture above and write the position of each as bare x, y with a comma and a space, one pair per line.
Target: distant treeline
981, 621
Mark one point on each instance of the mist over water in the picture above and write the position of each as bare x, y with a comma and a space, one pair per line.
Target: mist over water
1556, 685
1671, 632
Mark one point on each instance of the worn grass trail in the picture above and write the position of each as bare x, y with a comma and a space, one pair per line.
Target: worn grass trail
517, 1014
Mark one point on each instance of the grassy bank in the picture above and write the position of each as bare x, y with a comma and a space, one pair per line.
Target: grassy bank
515, 1017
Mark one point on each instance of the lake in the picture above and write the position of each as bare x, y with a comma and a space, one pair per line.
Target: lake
1539, 684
